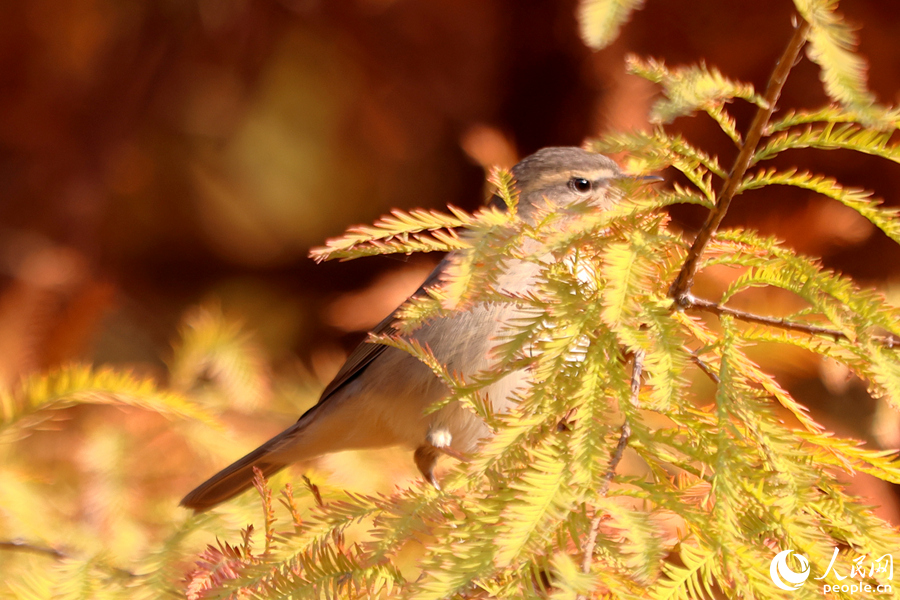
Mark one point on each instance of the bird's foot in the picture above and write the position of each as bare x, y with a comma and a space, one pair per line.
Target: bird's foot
426, 458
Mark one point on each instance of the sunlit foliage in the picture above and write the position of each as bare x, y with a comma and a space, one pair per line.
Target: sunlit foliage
612, 477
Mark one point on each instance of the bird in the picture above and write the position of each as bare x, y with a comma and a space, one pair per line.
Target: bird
381, 394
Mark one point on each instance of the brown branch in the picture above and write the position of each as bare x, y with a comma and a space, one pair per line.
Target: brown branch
624, 435
889, 341
16, 546
691, 301
705, 368
32, 549
685, 279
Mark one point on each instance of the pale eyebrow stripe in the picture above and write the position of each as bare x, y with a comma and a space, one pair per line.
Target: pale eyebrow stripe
563, 176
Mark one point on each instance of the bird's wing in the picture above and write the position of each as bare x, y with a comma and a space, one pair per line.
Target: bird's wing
363, 355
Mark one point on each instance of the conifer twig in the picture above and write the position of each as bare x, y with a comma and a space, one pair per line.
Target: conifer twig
265, 493
705, 368
17, 546
691, 301
314, 490
591, 542
685, 278
288, 501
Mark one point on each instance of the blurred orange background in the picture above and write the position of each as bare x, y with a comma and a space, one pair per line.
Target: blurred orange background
159, 155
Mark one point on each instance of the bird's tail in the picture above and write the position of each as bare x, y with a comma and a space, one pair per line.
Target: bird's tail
233, 479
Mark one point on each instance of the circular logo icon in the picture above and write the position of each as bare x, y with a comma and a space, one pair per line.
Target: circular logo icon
783, 576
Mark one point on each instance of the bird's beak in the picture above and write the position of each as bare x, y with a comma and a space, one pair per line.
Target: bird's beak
643, 179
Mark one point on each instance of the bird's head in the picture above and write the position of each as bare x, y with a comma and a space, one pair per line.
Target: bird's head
558, 177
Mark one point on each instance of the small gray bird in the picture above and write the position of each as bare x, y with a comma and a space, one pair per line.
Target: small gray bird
380, 395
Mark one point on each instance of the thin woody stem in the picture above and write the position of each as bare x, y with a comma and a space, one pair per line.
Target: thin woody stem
32, 549
625, 434
705, 368
17, 546
692, 302
685, 279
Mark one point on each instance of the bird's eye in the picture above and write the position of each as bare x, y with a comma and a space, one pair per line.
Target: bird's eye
580, 185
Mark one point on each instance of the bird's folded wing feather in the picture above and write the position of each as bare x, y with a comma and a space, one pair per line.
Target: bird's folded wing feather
363, 355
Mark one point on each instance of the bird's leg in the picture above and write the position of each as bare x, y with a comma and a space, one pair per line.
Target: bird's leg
454, 454
437, 442
441, 438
